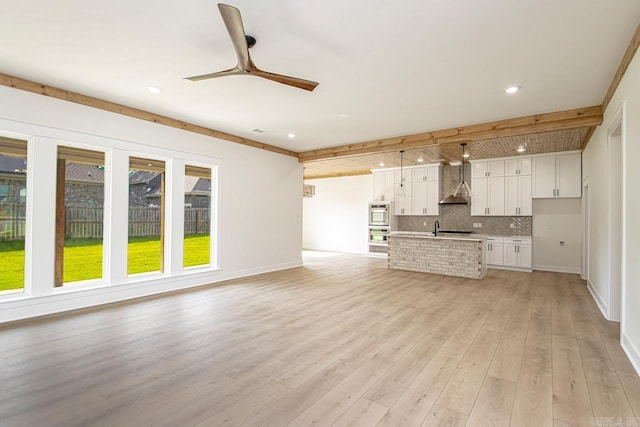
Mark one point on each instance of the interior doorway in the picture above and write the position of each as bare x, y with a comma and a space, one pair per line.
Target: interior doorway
614, 148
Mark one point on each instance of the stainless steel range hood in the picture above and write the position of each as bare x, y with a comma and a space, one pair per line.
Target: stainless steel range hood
462, 195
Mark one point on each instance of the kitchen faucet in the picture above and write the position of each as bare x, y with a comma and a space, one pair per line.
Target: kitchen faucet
435, 228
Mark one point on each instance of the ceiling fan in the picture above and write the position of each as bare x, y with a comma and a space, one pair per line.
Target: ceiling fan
241, 44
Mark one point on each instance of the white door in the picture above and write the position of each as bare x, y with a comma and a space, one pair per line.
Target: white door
544, 176
495, 168
569, 175
419, 198
402, 202
511, 195
378, 186
526, 207
511, 167
524, 256
498, 253
496, 196
479, 196
510, 255
389, 187
433, 198
479, 169
420, 174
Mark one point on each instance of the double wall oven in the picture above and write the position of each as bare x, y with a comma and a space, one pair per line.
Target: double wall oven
380, 223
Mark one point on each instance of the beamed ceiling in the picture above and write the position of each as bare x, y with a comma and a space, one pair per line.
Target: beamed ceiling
422, 76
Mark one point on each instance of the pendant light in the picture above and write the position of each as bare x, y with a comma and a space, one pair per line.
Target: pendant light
402, 191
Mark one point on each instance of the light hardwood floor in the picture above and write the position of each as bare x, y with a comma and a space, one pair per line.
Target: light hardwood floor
342, 341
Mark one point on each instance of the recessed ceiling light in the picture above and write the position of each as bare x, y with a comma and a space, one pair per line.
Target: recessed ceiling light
512, 89
154, 90
292, 135
381, 164
466, 155
420, 159
520, 149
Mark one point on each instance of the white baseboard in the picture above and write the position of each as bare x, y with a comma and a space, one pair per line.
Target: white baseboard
632, 352
558, 268
30, 307
604, 309
509, 268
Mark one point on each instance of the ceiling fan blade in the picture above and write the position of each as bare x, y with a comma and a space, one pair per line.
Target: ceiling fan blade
287, 80
233, 22
230, 72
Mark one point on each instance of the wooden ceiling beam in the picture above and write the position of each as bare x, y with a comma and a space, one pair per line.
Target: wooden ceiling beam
65, 95
569, 119
622, 68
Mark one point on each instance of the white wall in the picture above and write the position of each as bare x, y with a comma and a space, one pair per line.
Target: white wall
335, 219
595, 170
556, 220
260, 205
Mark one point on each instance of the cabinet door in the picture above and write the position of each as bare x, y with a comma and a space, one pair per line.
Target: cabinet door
378, 186
511, 195
511, 167
544, 176
403, 177
433, 198
568, 175
525, 195
510, 255
433, 173
498, 253
389, 186
495, 201
479, 196
419, 195
479, 170
524, 166
524, 256
402, 203
419, 174
495, 168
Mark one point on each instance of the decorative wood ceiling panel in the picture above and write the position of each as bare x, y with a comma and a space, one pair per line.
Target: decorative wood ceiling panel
536, 143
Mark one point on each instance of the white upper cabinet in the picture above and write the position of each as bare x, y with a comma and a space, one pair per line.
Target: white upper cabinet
383, 185
487, 168
487, 196
557, 175
425, 198
426, 173
402, 204
517, 195
517, 166
402, 176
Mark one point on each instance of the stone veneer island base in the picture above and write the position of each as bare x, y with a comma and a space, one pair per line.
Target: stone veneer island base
462, 256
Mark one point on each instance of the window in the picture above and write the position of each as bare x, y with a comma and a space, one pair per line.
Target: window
197, 216
13, 176
79, 215
146, 216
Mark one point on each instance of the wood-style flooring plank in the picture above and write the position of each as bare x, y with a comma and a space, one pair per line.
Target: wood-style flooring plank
342, 340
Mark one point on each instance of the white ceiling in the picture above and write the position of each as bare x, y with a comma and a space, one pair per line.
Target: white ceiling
394, 68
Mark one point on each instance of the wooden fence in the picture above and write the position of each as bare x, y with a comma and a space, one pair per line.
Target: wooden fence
87, 222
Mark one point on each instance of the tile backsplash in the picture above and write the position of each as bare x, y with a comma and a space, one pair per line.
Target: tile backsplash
458, 217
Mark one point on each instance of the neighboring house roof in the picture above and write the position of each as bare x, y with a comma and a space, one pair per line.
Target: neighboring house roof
141, 177
84, 173
195, 185
12, 164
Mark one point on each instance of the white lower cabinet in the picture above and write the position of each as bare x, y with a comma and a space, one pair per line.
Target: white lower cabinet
509, 252
517, 252
495, 251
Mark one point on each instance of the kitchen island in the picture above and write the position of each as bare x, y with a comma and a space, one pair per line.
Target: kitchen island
450, 255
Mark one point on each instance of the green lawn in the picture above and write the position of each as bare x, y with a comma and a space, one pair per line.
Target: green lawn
83, 258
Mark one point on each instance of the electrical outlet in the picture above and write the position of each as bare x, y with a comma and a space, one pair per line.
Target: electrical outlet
424, 223
477, 225
512, 225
